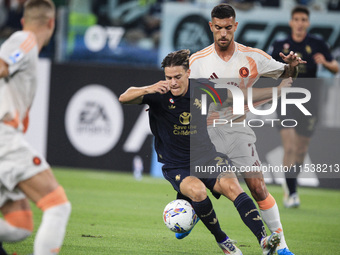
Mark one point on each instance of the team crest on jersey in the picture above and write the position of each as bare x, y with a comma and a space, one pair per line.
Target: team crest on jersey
172, 101
185, 118
36, 161
286, 48
244, 72
308, 49
198, 103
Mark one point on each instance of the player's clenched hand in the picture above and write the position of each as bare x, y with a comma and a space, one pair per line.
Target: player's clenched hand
160, 87
292, 59
319, 58
285, 83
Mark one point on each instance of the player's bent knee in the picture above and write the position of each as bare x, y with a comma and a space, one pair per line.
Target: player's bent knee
198, 192
290, 149
231, 189
302, 151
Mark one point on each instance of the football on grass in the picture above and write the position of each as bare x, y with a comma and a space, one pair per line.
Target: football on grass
179, 216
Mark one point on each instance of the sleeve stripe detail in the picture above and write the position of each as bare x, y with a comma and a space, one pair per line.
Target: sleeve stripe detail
249, 49
28, 44
253, 72
202, 51
201, 54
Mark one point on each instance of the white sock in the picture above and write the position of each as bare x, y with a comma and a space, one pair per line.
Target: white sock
272, 219
9, 233
52, 230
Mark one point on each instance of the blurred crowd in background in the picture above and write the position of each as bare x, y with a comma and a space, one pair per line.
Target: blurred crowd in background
140, 20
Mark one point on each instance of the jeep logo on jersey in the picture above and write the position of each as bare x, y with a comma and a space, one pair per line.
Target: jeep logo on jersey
94, 120
185, 118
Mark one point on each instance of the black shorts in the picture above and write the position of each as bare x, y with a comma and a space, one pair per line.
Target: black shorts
305, 124
176, 176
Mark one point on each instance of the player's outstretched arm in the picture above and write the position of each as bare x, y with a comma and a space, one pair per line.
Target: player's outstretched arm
259, 94
3, 69
134, 95
293, 61
285, 83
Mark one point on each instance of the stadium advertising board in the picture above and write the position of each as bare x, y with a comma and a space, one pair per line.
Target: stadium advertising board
185, 26
88, 127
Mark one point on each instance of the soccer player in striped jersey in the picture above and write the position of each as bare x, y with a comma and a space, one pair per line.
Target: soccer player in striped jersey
227, 59
24, 173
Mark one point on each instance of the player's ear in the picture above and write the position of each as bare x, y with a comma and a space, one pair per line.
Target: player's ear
236, 24
22, 21
211, 26
188, 72
51, 23
290, 23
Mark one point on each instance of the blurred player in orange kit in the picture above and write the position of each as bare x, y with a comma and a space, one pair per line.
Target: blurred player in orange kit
296, 140
24, 173
226, 59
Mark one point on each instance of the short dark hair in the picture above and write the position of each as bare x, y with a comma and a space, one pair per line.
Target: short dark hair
177, 58
300, 8
223, 11
39, 10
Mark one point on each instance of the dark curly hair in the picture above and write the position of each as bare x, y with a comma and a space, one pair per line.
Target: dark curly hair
177, 58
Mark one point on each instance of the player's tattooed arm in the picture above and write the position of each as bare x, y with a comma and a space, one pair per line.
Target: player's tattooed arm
134, 95
4, 72
293, 61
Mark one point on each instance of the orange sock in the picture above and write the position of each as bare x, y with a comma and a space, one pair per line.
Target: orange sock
268, 203
20, 219
56, 197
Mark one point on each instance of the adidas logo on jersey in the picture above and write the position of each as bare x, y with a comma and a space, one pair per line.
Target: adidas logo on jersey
213, 76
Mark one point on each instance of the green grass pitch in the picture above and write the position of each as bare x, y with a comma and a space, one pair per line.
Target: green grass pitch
112, 213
